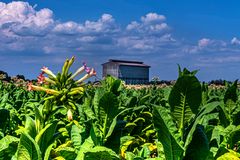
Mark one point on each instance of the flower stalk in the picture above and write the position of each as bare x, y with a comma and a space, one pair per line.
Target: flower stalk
48, 72
88, 75
62, 87
39, 88
79, 71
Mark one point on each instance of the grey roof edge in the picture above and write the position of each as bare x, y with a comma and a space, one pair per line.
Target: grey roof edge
127, 63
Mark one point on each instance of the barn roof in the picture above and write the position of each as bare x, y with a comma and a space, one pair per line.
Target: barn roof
126, 63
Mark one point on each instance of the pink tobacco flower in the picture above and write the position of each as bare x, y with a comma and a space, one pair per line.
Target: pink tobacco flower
88, 75
32, 87
41, 78
79, 70
88, 70
29, 86
93, 72
47, 71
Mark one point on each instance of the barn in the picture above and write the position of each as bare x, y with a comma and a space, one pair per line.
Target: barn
132, 72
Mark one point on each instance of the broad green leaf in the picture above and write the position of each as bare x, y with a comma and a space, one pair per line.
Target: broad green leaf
30, 127
111, 128
38, 119
67, 153
4, 99
116, 85
131, 156
184, 100
8, 147
210, 119
144, 152
28, 149
107, 111
114, 122
125, 142
87, 108
185, 71
131, 102
130, 126
230, 99
232, 135
100, 153
85, 147
4, 118
230, 156
46, 136
206, 109
216, 134
167, 133
144, 99
48, 152
231, 93
205, 93
99, 92
76, 137
198, 149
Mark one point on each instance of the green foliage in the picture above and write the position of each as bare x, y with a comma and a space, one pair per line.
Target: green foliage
99, 153
8, 146
182, 141
185, 99
109, 121
28, 148
229, 156
167, 133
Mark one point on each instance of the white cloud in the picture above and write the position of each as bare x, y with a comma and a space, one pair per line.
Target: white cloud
24, 20
148, 35
68, 28
235, 41
105, 24
24, 27
204, 42
151, 23
153, 18
207, 45
15, 12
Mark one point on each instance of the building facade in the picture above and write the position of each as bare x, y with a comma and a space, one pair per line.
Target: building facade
132, 72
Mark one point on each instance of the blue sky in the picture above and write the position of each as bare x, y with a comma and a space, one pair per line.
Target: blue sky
195, 34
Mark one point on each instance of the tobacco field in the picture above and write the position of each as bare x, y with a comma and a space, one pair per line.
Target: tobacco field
61, 118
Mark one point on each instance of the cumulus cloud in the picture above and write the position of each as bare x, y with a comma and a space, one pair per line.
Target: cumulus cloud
68, 28
207, 45
24, 27
106, 24
24, 20
151, 23
153, 18
148, 35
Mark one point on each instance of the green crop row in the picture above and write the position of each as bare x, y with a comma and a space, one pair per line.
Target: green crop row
63, 118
